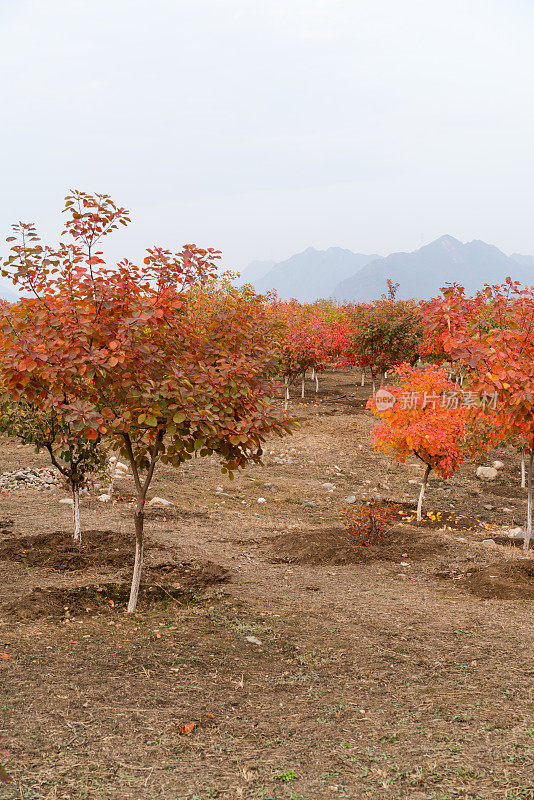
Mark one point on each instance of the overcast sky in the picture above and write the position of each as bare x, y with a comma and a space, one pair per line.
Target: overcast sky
261, 128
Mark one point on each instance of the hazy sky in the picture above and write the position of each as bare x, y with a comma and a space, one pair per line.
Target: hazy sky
261, 128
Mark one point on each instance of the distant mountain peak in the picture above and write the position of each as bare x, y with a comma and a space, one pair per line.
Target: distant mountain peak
311, 274
447, 239
421, 273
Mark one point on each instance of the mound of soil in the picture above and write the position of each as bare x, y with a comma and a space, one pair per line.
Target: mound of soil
193, 574
90, 600
6, 526
60, 551
504, 490
336, 546
508, 580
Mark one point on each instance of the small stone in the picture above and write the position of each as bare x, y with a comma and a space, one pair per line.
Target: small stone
254, 640
351, 499
328, 485
508, 510
104, 498
498, 465
489, 543
261, 500
158, 502
308, 503
489, 507
487, 473
67, 501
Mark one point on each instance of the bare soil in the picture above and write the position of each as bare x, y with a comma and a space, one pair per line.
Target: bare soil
270, 658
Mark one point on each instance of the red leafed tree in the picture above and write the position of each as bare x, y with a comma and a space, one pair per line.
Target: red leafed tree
491, 337
429, 421
167, 363
305, 342
383, 334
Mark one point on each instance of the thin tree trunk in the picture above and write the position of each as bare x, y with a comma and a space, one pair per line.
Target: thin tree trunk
303, 385
139, 516
76, 513
523, 470
528, 531
313, 373
422, 492
316, 383
112, 478
139, 520
363, 378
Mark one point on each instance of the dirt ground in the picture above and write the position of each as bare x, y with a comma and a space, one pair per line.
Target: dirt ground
270, 658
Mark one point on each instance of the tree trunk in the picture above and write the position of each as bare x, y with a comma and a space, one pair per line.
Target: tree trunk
112, 478
528, 531
303, 385
422, 493
286, 393
316, 383
313, 373
363, 378
76, 513
139, 519
523, 470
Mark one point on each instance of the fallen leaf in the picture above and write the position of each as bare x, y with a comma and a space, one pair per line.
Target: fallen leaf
188, 728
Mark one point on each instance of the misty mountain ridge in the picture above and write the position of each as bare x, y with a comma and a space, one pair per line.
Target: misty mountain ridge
348, 276
309, 275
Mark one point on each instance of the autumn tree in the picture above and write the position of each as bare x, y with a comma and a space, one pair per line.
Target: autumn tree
383, 334
426, 418
57, 431
491, 336
305, 342
159, 359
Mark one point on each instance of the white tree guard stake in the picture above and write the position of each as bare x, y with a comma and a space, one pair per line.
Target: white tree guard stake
528, 531
113, 461
76, 513
422, 493
523, 470
286, 398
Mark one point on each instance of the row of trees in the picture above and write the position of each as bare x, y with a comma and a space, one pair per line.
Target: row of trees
167, 360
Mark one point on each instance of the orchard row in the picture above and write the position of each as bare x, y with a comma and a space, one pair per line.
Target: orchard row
168, 359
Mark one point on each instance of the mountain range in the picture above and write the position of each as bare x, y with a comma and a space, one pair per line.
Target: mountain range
345, 275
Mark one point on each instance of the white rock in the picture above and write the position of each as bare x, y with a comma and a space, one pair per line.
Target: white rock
122, 466
104, 498
498, 465
253, 640
159, 502
261, 500
487, 473
328, 485
67, 501
351, 499
508, 510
